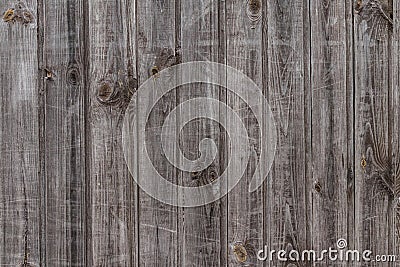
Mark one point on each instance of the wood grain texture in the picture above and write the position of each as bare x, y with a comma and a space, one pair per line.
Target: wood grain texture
396, 122
20, 186
157, 42
63, 83
244, 52
332, 113
203, 233
328, 68
286, 68
373, 134
112, 77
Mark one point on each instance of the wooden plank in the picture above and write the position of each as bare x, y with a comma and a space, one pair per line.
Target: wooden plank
244, 52
332, 115
111, 29
286, 71
373, 128
158, 41
64, 129
19, 137
395, 98
203, 233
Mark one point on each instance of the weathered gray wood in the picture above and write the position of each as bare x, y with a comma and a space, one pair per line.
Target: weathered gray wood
69, 68
332, 115
374, 195
157, 40
203, 234
20, 192
286, 70
63, 108
395, 102
111, 31
244, 52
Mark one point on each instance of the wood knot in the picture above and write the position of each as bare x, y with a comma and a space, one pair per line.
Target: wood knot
358, 6
154, 71
244, 252
363, 162
20, 13
254, 6
254, 12
378, 17
166, 58
318, 187
105, 93
240, 252
8, 15
73, 76
48, 74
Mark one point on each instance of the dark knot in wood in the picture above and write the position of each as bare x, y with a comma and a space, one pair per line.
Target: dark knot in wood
166, 57
378, 16
254, 12
20, 13
318, 187
117, 93
106, 93
73, 76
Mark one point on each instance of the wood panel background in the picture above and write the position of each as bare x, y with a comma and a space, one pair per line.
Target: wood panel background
68, 69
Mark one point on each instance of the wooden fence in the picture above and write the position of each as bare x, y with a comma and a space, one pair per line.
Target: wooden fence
330, 72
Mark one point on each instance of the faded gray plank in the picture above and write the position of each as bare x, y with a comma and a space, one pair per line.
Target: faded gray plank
112, 80
332, 114
373, 130
395, 99
244, 52
19, 138
64, 133
286, 70
202, 231
157, 43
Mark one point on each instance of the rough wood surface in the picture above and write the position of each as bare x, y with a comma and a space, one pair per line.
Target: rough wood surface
62, 105
287, 85
332, 115
156, 46
68, 69
244, 52
374, 128
111, 77
21, 187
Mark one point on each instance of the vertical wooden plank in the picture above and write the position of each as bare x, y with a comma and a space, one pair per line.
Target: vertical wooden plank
286, 82
244, 52
374, 127
63, 92
158, 43
112, 81
332, 142
19, 136
203, 228
396, 122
